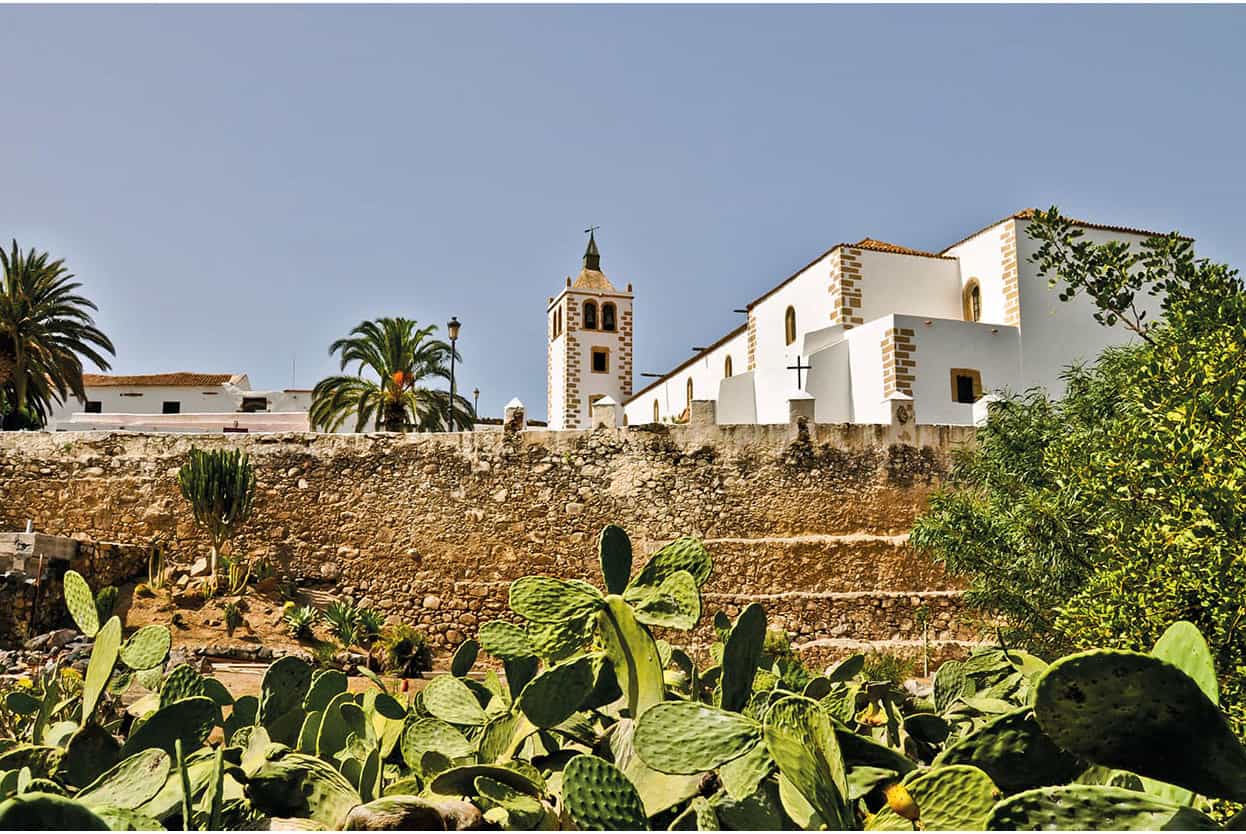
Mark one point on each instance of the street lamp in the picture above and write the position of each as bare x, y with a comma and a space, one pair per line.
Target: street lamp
476, 401
452, 327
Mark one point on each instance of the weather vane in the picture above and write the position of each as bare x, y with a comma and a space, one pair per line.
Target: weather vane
591, 229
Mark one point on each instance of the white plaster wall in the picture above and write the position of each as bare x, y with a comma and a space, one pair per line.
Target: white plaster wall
737, 400
706, 372
556, 369
992, 350
981, 257
810, 293
1055, 333
865, 357
908, 285
830, 382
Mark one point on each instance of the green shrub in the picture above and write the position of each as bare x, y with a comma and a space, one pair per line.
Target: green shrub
887, 667
403, 651
343, 620
300, 621
371, 622
233, 617
106, 602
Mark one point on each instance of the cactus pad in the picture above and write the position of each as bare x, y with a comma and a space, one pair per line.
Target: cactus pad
615, 550
686, 737
632, 650
297, 785
1092, 807
1015, 752
543, 599
89, 752
1135, 712
949, 683
100, 666
47, 812
555, 694
81, 603
283, 689
802, 742
684, 553
461, 780
325, 683
742, 776
131, 782
182, 682
676, 603
956, 797
448, 698
741, 653
147, 648
599, 797
505, 641
558, 641
426, 734
1183, 646
464, 658
189, 721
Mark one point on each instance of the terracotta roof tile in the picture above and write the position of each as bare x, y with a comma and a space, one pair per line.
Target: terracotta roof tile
892, 248
183, 378
1028, 214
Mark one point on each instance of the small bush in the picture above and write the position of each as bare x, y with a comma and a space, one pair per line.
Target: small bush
888, 667
301, 620
403, 651
233, 617
106, 602
343, 620
371, 622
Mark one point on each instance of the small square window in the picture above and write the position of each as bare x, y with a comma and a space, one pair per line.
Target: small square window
94, 407
601, 360
171, 407
251, 405
966, 385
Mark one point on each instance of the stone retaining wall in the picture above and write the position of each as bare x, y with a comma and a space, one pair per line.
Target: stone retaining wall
810, 519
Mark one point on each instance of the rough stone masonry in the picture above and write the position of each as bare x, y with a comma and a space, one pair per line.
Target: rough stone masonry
810, 520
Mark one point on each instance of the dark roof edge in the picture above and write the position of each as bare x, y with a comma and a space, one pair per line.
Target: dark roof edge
689, 361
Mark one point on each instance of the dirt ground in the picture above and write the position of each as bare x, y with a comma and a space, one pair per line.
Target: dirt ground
196, 623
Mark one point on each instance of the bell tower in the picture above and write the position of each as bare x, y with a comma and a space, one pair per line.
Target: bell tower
589, 329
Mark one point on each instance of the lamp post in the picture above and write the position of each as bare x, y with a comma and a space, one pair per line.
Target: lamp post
452, 327
476, 401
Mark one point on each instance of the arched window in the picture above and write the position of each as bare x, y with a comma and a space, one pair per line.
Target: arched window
688, 389
789, 326
590, 315
656, 417
607, 316
727, 368
972, 301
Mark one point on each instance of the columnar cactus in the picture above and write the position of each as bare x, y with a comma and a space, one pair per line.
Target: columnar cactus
220, 487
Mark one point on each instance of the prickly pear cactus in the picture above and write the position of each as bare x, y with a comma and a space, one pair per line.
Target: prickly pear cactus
684, 553
554, 695
676, 603
131, 782
47, 812
182, 682
464, 658
297, 785
949, 683
802, 742
1134, 712
81, 603
688, 737
600, 798
100, 666
505, 641
425, 734
325, 684
89, 752
615, 550
189, 720
543, 599
147, 648
450, 699
283, 688
955, 797
1015, 752
1183, 645
1093, 807
741, 653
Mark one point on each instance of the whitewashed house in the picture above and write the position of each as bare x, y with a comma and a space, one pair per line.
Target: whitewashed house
857, 329
181, 402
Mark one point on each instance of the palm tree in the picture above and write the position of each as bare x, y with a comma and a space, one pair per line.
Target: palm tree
45, 330
401, 356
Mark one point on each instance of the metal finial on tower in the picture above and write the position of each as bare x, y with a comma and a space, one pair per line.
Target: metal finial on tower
592, 258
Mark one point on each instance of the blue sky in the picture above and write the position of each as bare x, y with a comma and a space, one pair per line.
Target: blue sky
239, 186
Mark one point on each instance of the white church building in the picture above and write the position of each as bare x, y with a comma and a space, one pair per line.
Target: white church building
860, 327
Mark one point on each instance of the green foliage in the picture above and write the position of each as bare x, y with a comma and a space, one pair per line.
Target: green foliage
403, 651
81, 603
886, 666
603, 726
233, 617
301, 620
219, 485
371, 622
401, 358
46, 331
1101, 518
343, 620
105, 602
